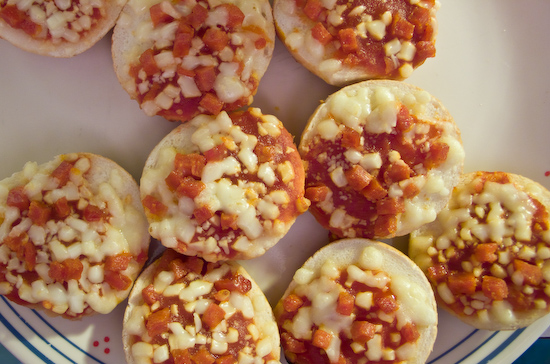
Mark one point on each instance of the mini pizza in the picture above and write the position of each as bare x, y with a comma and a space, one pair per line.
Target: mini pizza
487, 254
73, 235
348, 41
224, 187
185, 310
357, 301
179, 59
381, 159
60, 28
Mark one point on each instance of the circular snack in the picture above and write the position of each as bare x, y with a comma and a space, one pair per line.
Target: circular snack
381, 159
73, 235
184, 310
487, 254
348, 41
224, 187
357, 301
182, 59
57, 28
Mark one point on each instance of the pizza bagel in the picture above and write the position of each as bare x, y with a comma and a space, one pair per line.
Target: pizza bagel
349, 41
185, 310
73, 235
182, 59
381, 159
357, 301
224, 187
487, 254
63, 28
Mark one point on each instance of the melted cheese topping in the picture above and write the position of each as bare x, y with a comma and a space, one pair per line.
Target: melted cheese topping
320, 292
257, 202
512, 223
191, 296
371, 114
90, 241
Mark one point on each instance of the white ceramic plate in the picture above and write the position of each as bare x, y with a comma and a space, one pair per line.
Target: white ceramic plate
490, 71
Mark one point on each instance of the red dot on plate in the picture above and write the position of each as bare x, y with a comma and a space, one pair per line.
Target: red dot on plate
547, 173
96, 343
107, 339
107, 351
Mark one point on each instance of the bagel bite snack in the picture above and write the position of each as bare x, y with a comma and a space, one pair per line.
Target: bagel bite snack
185, 310
381, 159
348, 41
73, 235
57, 28
179, 59
224, 187
487, 254
357, 301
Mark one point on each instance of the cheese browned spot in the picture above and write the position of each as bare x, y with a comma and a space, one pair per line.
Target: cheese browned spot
224, 187
72, 238
192, 311
345, 41
356, 312
488, 253
380, 160
189, 58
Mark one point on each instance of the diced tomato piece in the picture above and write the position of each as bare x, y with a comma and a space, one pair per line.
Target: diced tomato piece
292, 303
190, 164
157, 322
228, 221
211, 104
226, 359
198, 16
531, 273
149, 295
410, 190
385, 225
158, 16
222, 295
404, 119
321, 339
397, 172
348, 38
213, 315
117, 280
292, 344
18, 198
374, 191
203, 356
362, 331
39, 213
437, 155
174, 180
321, 34
486, 253
235, 283
154, 206
92, 213
494, 288
61, 208
235, 16
462, 283
317, 193
178, 268
62, 173
345, 304
205, 76
351, 138
183, 40
29, 255
424, 49
386, 303
266, 153
358, 178
313, 9
437, 273
216, 39
118, 262
419, 16
14, 242
218, 153
16, 18
401, 28
409, 332
202, 214
390, 206
66, 270
148, 62
194, 264
181, 356
191, 188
